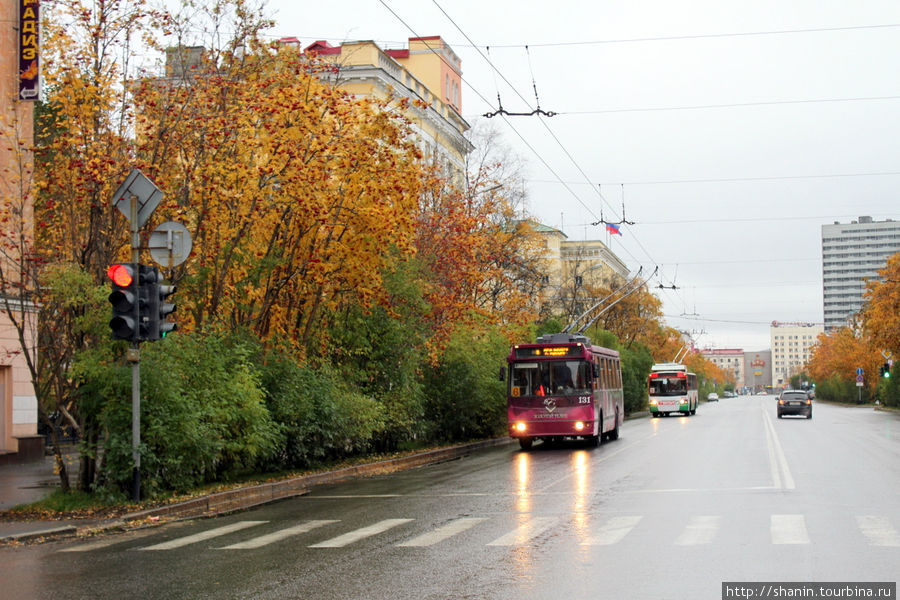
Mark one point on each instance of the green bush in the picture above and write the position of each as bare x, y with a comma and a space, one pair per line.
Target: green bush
837, 389
464, 396
202, 415
319, 415
636, 364
380, 352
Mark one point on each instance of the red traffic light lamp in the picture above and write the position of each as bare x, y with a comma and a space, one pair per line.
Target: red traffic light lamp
125, 302
121, 274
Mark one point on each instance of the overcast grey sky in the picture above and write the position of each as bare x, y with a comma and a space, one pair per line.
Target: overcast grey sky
732, 130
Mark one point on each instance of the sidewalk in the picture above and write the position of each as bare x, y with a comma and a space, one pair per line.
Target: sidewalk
22, 484
29, 482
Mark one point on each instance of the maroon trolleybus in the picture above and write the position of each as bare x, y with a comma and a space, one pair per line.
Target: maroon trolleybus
563, 387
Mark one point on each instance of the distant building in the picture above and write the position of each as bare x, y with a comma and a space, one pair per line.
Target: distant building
730, 361
574, 267
791, 348
851, 253
758, 370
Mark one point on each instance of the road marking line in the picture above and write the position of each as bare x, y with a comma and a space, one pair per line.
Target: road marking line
699, 530
95, 545
205, 535
776, 456
525, 532
613, 531
360, 534
277, 536
879, 531
442, 533
788, 529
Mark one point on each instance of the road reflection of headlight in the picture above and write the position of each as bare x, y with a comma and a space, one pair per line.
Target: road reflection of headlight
523, 472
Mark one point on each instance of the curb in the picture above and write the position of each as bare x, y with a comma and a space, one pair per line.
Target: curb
249, 497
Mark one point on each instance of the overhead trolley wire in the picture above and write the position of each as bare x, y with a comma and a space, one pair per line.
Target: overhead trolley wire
519, 134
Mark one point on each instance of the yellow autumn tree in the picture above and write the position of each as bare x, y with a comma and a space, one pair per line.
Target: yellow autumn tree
295, 192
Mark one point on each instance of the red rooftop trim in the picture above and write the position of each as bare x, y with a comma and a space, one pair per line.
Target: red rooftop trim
322, 47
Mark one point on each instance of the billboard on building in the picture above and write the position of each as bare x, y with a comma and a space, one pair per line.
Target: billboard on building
29, 50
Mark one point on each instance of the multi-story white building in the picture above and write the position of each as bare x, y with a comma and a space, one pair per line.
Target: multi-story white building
729, 360
791, 348
851, 253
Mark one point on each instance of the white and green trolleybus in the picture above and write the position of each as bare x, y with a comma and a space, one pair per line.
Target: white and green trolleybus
673, 389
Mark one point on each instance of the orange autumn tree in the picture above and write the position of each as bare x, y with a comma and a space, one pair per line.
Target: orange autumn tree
840, 352
635, 318
481, 264
881, 312
296, 193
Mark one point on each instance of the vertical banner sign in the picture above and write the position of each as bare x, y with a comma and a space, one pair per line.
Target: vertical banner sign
29, 50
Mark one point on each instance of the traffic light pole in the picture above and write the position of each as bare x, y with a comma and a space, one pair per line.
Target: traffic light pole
134, 356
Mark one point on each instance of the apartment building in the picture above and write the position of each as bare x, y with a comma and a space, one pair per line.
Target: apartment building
852, 253
791, 348
730, 360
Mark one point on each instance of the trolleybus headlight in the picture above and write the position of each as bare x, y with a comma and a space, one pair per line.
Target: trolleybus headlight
579, 425
653, 403
520, 427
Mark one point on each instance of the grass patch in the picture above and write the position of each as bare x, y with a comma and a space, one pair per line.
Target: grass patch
61, 504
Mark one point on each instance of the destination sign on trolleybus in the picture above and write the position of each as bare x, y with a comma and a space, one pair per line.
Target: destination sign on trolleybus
549, 351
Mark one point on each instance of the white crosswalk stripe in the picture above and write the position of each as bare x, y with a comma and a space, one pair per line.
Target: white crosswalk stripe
614, 530
878, 530
788, 529
700, 530
277, 536
442, 533
525, 532
360, 534
203, 536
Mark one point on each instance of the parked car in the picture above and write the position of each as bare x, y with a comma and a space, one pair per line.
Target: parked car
712, 397
794, 402
728, 395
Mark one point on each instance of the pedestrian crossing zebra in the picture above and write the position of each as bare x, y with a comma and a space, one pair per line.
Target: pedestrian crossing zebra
698, 530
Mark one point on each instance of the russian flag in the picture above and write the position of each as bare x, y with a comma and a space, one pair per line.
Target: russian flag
613, 229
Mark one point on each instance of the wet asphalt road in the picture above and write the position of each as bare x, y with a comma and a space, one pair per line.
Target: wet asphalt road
672, 509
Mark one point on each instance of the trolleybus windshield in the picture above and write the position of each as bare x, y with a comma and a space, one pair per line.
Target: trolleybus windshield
550, 378
668, 384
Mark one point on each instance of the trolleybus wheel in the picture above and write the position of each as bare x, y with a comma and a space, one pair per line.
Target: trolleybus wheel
525, 443
614, 434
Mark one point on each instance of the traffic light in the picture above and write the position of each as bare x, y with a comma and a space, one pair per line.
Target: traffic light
137, 298
159, 309
126, 301
886, 370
